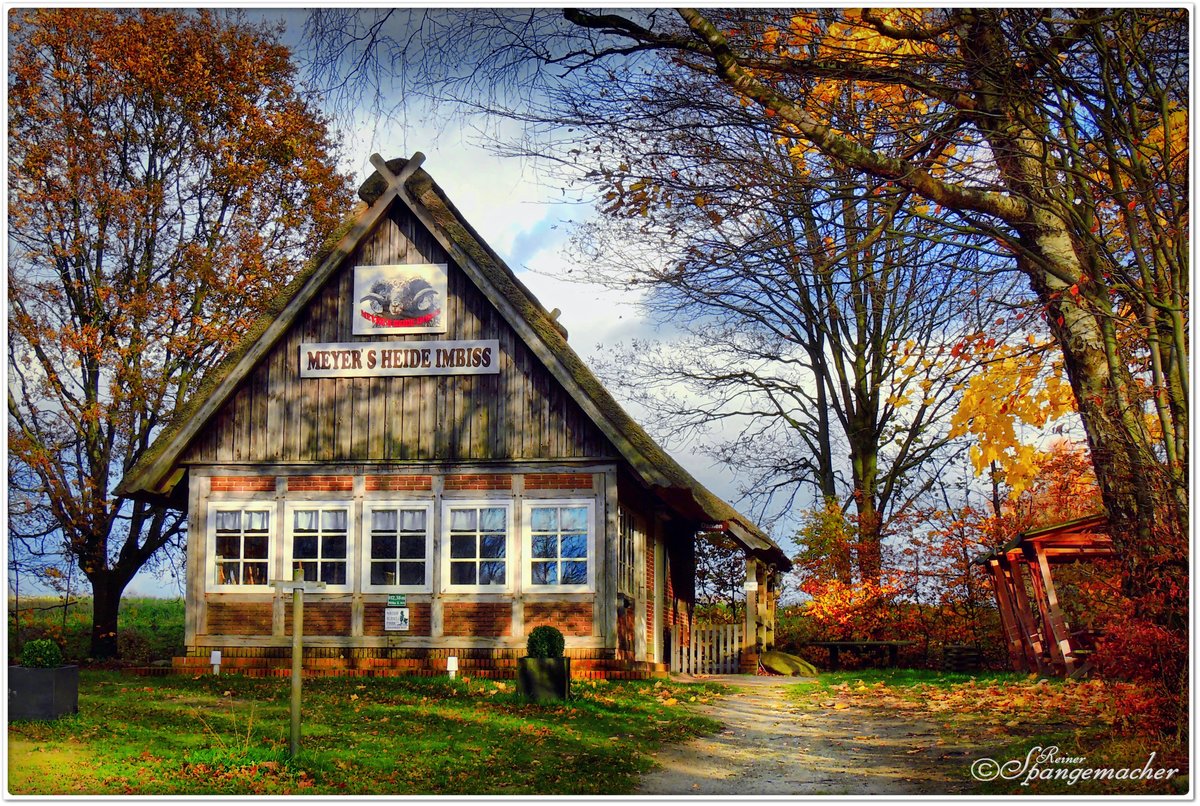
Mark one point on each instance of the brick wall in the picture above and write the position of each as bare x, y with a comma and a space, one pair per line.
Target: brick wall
480, 481
571, 618
490, 619
321, 483
320, 618
242, 484
418, 620
558, 481
238, 618
375, 483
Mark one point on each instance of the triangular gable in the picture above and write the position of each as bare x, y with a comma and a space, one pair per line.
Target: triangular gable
403, 181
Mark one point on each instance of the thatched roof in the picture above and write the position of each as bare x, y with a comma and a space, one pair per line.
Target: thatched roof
157, 472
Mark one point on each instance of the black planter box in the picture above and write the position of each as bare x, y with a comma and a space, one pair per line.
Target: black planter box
544, 680
42, 693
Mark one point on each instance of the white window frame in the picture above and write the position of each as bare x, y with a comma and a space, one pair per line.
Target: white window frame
289, 536
250, 505
627, 564
365, 542
527, 544
444, 544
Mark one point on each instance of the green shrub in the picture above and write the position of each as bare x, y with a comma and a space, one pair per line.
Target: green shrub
545, 642
133, 646
41, 653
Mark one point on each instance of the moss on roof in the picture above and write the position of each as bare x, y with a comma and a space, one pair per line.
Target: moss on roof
649, 461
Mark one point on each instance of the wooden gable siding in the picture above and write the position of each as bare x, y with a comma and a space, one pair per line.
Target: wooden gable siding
519, 413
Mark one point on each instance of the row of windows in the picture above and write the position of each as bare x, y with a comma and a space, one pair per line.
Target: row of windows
398, 541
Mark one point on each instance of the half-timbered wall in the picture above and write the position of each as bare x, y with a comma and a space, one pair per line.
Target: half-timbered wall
353, 614
519, 413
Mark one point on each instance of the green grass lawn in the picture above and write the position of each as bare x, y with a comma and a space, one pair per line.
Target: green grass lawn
228, 735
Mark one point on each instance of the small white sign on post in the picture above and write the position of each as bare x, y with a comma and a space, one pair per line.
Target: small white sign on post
214, 658
395, 618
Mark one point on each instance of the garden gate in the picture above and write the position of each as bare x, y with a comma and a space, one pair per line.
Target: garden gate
712, 649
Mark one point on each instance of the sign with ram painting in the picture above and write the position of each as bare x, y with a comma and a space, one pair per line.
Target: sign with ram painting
400, 298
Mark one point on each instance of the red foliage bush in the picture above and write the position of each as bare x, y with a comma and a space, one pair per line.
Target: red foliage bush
1156, 659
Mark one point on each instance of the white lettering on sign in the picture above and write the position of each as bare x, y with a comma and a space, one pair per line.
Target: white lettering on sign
387, 358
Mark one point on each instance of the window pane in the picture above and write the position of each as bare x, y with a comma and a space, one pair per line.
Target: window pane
256, 547
491, 573
257, 521
333, 520
383, 547
574, 546
228, 521
545, 546
412, 573
574, 573
229, 574
310, 571
412, 548
335, 547
412, 520
544, 519
333, 573
462, 520
545, 573
574, 519
383, 520
462, 573
383, 573
304, 548
255, 574
229, 547
491, 545
491, 519
462, 546
305, 520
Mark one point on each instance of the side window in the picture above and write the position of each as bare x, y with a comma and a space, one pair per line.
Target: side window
475, 548
319, 542
626, 578
396, 543
560, 545
239, 545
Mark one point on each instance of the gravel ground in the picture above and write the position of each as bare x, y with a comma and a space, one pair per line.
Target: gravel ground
771, 745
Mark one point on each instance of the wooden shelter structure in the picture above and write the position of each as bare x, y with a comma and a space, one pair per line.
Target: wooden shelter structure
1037, 635
408, 425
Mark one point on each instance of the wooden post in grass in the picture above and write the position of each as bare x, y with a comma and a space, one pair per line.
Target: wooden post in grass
297, 586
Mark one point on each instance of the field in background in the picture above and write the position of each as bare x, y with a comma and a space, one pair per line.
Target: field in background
148, 629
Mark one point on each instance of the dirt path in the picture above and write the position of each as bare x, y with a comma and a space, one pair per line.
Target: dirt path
772, 745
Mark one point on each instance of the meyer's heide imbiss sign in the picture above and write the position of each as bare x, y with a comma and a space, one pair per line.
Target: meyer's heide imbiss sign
389, 358
399, 299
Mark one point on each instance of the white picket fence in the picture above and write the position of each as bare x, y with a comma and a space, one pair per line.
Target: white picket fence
715, 649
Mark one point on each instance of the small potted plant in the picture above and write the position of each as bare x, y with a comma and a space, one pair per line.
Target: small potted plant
544, 675
42, 687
